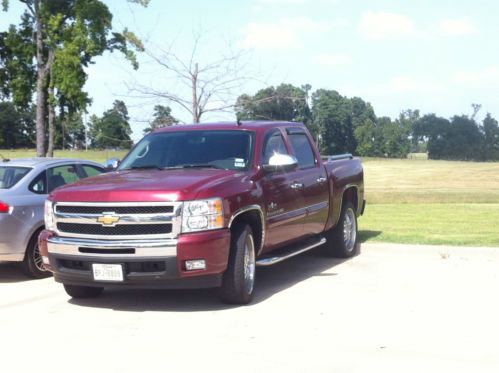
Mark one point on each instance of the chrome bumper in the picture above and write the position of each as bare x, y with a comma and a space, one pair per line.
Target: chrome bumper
104, 248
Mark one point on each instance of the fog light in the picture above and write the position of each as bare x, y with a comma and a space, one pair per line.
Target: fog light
45, 260
195, 265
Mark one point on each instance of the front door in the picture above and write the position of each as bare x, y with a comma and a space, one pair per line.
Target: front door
284, 204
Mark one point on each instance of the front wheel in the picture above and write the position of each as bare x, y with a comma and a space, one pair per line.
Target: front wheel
75, 291
342, 240
239, 279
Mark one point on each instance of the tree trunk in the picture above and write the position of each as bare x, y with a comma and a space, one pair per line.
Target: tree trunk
50, 107
41, 94
195, 104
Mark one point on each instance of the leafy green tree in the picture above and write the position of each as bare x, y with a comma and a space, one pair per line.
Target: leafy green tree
490, 128
394, 137
162, 117
16, 126
284, 102
332, 114
66, 37
70, 131
113, 129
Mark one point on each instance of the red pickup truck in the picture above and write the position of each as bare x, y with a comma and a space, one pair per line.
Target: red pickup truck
202, 206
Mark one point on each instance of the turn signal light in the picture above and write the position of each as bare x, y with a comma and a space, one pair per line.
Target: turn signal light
4, 208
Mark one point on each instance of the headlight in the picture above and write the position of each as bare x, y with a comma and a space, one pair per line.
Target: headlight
202, 215
49, 216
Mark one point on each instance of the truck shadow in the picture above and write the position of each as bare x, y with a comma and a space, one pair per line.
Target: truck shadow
366, 235
270, 282
11, 272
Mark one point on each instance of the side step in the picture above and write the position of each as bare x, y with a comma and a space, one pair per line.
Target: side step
280, 256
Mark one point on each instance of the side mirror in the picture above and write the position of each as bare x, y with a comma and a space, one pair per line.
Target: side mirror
111, 164
280, 162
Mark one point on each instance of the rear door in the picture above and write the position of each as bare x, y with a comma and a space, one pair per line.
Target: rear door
284, 205
311, 178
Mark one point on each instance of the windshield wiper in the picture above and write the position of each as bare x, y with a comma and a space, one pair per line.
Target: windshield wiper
144, 167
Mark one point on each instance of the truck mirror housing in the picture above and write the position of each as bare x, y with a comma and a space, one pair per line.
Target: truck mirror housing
280, 162
111, 164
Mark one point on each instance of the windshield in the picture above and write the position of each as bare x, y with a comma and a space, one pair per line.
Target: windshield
229, 150
10, 176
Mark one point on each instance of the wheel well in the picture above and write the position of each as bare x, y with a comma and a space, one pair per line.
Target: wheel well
350, 195
254, 220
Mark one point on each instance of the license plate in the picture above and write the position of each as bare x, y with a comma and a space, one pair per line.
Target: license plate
107, 272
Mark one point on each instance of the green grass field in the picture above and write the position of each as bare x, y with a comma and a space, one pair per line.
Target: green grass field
409, 200
431, 202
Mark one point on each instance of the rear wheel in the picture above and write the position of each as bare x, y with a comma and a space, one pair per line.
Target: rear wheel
239, 279
342, 240
75, 291
32, 264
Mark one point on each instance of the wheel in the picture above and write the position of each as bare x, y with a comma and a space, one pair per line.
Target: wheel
32, 264
342, 239
75, 291
239, 279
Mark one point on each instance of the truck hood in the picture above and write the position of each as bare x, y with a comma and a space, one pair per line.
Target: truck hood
146, 186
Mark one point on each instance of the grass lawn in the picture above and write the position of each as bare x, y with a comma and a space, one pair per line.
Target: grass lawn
431, 202
436, 223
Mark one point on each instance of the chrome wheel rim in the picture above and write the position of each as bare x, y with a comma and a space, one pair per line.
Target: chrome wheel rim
37, 259
249, 264
349, 230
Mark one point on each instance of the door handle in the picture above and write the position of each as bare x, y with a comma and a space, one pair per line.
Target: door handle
321, 179
297, 185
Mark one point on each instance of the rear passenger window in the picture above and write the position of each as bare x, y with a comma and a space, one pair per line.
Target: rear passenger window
39, 184
274, 144
303, 150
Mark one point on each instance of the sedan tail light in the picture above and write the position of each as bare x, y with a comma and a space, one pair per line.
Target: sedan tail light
4, 208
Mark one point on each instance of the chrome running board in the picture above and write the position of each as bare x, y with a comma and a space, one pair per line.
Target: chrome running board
279, 257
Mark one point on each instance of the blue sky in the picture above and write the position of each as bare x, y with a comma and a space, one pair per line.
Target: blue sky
436, 56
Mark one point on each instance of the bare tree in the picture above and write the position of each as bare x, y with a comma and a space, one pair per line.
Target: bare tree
203, 87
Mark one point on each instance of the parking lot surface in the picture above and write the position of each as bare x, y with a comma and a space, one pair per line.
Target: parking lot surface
394, 308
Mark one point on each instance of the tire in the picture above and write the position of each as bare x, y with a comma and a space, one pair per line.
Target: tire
342, 240
238, 281
75, 291
32, 264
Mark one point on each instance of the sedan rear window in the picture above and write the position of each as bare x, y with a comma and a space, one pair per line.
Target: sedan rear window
10, 176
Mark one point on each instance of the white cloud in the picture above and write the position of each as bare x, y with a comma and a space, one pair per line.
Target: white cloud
457, 27
385, 25
407, 84
284, 33
489, 74
333, 59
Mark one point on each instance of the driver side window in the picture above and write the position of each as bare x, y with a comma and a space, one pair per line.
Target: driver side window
274, 144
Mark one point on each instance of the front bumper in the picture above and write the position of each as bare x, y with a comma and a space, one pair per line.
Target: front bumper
146, 263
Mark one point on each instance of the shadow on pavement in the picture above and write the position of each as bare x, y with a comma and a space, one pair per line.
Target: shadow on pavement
270, 281
367, 235
11, 272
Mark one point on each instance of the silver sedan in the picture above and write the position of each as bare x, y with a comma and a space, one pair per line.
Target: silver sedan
24, 187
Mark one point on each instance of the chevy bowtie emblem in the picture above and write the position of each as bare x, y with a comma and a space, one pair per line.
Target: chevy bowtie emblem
108, 219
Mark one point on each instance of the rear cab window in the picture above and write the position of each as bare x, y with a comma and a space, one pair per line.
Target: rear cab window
10, 176
302, 149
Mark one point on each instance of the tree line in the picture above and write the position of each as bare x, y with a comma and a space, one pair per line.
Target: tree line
349, 125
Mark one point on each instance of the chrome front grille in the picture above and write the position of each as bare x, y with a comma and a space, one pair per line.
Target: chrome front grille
118, 220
